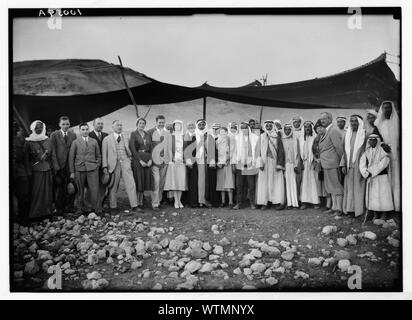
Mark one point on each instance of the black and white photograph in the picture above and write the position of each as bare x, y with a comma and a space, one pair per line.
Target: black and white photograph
205, 150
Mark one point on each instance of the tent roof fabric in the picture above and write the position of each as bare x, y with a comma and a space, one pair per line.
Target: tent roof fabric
361, 87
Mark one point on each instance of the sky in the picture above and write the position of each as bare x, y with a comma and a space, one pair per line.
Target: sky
225, 51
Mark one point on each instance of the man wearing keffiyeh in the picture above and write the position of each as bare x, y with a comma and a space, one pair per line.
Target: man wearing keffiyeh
270, 182
354, 185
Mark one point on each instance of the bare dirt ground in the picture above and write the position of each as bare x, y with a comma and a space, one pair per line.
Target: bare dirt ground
131, 253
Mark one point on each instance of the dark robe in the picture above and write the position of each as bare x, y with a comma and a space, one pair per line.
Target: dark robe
39, 171
191, 196
212, 195
141, 148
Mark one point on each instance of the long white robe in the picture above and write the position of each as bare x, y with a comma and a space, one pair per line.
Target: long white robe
291, 147
378, 186
309, 190
270, 185
389, 129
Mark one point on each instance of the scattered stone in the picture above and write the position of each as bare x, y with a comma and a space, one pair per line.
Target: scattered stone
193, 266
344, 265
271, 281
224, 242
198, 253
378, 222
258, 267
157, 286
248, 287
92, 216
164, 242
393, 242
218, 250
176, 245
136, 265
351, 240
207, 267
256, 253
301, 274
94, 275
207, 246
329, 229
342, 255
315, 261
31, 267
237, 271
287, 255
368, 235
342, 242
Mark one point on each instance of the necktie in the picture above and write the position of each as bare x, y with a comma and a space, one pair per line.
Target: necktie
65, 137
118, 139
85, 140
100, 136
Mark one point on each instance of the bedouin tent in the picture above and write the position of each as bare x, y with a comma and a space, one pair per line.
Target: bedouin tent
358, 88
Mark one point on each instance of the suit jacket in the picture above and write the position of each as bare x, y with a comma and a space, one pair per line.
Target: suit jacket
84, 157
61, 149
109, 153
157, 139
99, 142
331, 148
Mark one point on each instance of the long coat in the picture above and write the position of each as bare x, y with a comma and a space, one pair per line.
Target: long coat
354, 185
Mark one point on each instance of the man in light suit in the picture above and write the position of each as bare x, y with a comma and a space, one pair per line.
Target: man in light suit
116, 157
99, 135
159, 136
61, 141
331, 152
84, 162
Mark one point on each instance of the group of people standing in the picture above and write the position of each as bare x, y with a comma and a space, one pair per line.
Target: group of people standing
296, 164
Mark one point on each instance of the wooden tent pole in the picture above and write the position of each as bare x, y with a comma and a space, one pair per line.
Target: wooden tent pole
127, 87
21, 121
204, 108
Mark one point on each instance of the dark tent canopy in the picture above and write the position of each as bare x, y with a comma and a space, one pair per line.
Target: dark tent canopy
357, 88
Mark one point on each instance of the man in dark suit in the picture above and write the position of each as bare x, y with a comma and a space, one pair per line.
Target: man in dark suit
99, 135
331, 152
84, 162
61, 141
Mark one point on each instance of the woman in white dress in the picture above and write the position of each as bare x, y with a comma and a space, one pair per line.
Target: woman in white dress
176, 170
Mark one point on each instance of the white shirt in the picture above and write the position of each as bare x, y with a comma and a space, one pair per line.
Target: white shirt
85, 139
327, 128
64, 133
98, 134
117, 135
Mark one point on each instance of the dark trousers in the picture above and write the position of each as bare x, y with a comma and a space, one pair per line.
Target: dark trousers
64, 201
91, 180
22, 193
192, 181
241, 181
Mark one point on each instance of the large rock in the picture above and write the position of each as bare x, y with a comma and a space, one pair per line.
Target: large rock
393, 242
193, 266
271, 281
176, 245
342, 242
140, 247
369, 235
207, 267
351, 239
329, 229
287, 255
315, 261
218, 250
341, 255
84, 246
224, 242
198, 253
256, 253
258, 267
31, 267
207, 246
94, 275
344, 265
271, 251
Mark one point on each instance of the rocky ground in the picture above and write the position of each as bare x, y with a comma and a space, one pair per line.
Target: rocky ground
204, 249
